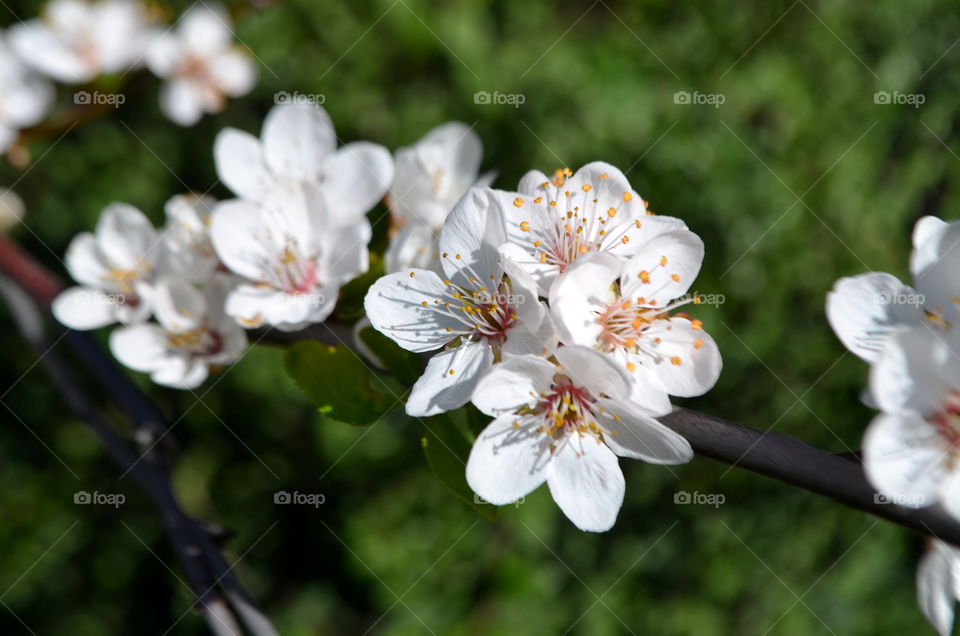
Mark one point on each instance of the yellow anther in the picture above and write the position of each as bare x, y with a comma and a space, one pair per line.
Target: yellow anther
524, 226
697, 343
627, 196
644, 276
612, 212
675, 361
518, 202
587, 187
675, 277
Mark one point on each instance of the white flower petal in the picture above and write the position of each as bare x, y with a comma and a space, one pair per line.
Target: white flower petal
255, 305
508, 462
513, 384
663, 269
449, 379
355, 179
594, 371
85, 262
864, 310
126, 237
84, 308
580, 295
205, 28
297, 138
908, 375
474, 231
240, 164
934, 265
395, 306
687, 361
182, 102
934, 586
586, 482
905, 459
140, 347
414, 246
640, 436
233, 72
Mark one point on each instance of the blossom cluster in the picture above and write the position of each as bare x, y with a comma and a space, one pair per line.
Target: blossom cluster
274, 256
908, 336
552, 309
76, 41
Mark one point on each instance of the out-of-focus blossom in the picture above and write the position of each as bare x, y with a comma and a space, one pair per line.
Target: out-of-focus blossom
115, 267
191, 333
24, 96
76, 40
201, 64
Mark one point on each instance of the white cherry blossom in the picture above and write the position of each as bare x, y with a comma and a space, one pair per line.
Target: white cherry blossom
483, 309
565, 421
201, 64
76, 40
25, 97
115, 267
553, 221
294, 254
191, 334
622, 308
938, 585
298, 151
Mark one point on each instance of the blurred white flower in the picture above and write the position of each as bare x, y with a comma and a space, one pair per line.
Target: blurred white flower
486, 307
294, 254
622, 309
189, 252
911, 449
76, 40
938, 585
191, 334
200, 63
298, 152
12, 209
434, 173
115, 267
24, 96
565, 421
431, 176
552, 222
865, 310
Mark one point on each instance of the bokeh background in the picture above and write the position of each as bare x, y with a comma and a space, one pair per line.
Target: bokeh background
798, 178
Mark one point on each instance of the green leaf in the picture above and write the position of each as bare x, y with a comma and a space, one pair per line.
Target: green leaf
447, 450
404, 365
338, 382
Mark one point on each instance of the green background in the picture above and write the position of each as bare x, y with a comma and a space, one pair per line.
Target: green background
799, 120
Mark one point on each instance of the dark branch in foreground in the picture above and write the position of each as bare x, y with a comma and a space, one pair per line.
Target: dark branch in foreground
220, 596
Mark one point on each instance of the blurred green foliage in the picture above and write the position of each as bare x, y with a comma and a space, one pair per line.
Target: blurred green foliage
391, 549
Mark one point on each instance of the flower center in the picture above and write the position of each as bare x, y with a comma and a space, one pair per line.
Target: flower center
201, 341
574, 222
947, 421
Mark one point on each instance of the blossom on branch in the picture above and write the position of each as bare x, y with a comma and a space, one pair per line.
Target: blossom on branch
201, 64
565, 420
